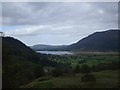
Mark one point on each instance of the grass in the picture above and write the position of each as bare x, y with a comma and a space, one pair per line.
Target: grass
90, 60
105, 79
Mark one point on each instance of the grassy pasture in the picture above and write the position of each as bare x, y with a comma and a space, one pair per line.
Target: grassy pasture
105, 79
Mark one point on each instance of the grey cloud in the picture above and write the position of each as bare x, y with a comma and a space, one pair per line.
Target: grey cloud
58, 20
50, 13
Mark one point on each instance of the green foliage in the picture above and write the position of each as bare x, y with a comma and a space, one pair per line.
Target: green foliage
85, 68
95, 62
17, 74
56, 72
38, 84
77, 69
104, 79
88, 77
95, 68
38, 71
21, 64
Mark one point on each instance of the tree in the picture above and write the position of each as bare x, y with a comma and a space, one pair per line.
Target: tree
95, 68
85, 69
77, 69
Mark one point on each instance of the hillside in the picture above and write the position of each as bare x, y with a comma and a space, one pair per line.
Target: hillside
21, 64
42, 47
105, 79
24, 68
104, 41
98, 41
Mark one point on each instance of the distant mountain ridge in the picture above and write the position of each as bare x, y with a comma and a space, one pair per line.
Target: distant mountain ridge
42, 47
98, 41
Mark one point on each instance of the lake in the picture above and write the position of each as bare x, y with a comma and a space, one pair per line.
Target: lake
55, 52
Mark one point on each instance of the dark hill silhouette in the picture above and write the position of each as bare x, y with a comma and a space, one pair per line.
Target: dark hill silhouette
20, 64
98, 41
42, 47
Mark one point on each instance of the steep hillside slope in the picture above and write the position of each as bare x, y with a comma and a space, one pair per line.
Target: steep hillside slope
99, 41
20, 64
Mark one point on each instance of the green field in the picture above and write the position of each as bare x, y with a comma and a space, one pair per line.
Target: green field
106, 77
85, 59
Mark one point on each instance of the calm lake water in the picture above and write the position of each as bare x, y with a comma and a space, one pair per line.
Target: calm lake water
55, 52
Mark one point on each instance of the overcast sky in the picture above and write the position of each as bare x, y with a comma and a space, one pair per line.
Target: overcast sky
56, 23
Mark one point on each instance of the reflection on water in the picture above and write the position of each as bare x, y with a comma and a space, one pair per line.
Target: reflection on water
55, 52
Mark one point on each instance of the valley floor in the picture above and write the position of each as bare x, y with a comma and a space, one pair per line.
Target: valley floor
104, 79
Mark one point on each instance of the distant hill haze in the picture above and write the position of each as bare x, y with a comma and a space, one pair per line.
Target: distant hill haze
98, 41
40, 47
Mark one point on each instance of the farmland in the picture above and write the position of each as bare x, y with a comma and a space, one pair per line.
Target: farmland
103, 67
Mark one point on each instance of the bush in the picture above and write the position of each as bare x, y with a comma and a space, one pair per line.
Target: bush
85, 69
38, 71
56, 72
95, 68
88, 77
77, 69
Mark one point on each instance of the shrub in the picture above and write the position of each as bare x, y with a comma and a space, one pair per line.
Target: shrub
77, 69
38, 71
88, 77
56, 72
85, 69
95, 68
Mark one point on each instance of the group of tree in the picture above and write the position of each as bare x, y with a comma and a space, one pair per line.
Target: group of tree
86, 71
83, 69
113, 65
